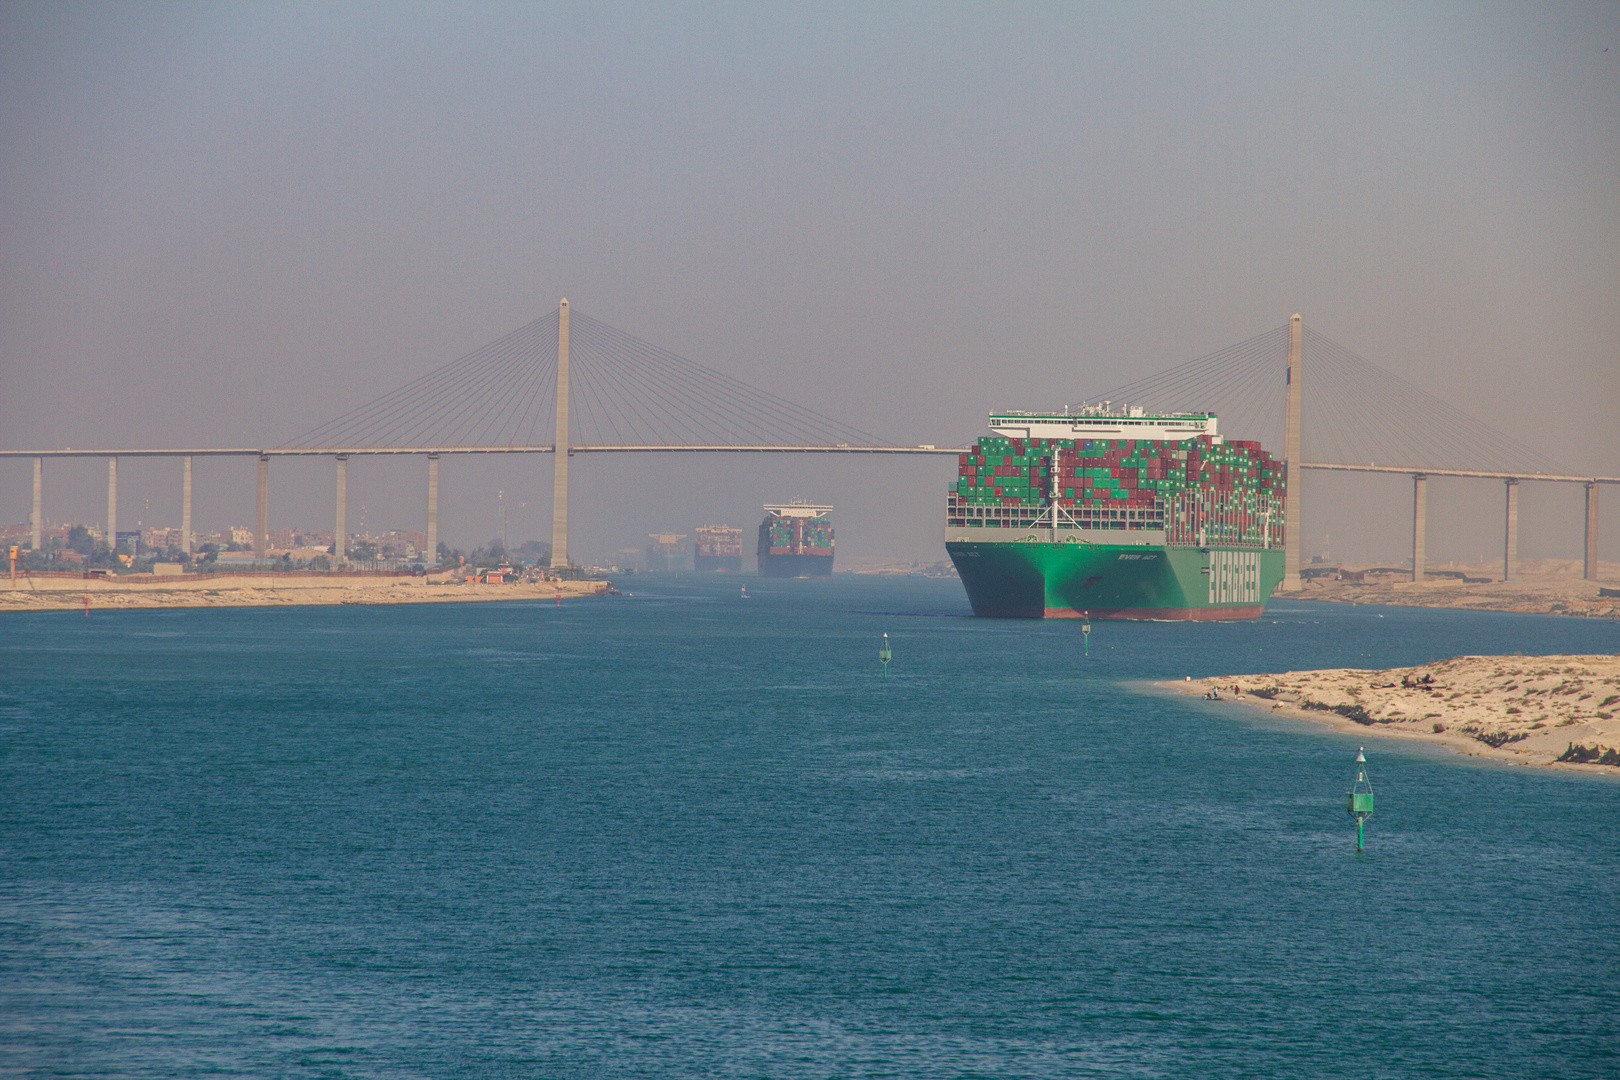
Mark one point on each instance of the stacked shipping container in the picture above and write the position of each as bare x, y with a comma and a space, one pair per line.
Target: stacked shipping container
1199, 490
800, 536
664, 554
717, 548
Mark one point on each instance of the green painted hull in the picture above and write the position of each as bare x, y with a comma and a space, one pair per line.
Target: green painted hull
1035, 580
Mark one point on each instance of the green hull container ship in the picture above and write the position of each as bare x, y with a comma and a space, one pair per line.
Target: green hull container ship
1116, 515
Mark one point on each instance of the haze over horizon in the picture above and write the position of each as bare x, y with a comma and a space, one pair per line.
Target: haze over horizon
224, 225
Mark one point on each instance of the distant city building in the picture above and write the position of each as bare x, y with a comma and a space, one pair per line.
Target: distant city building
398, 545
159, 539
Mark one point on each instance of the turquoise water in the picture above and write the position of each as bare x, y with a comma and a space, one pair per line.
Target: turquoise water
684, 834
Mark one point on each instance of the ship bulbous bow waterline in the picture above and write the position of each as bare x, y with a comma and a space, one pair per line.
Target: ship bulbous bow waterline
1116, 515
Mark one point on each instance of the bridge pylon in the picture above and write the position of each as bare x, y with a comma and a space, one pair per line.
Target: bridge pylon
1292, 501
559, 456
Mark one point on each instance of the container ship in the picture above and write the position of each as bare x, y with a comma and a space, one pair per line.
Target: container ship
796, 540
718, 548
664, 553
1116, 515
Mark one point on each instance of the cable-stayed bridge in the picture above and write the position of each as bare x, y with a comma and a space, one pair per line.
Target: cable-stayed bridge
569, 380
1357, 417
564, 379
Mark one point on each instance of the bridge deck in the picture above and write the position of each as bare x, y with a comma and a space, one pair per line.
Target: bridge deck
725, 448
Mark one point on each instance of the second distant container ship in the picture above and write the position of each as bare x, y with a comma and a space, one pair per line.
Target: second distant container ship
665, 554
796, 540
718, 549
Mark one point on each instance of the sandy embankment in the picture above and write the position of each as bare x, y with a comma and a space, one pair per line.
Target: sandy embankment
1533, 707
1541, 586
54, 594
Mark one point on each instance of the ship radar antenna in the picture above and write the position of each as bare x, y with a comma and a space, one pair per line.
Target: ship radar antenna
885, 655
1361, 795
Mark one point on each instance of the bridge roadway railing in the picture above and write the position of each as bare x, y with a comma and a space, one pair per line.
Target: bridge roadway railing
719, 448
544, 448
1485, 474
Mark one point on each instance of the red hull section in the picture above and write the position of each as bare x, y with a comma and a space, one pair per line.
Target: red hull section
1208, 614
1225, 613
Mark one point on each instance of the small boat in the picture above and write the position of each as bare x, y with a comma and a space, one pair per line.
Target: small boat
745, 595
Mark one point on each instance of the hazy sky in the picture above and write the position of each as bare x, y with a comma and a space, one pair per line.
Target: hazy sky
223, 224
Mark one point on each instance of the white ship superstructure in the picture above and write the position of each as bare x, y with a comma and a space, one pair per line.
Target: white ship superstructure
1099, 422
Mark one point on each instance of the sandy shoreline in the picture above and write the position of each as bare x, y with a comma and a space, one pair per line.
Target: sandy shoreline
1541, 587
1533, 707
266, 591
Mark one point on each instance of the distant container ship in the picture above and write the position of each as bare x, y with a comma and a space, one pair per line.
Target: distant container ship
718, 549
665, 554
796, 540
1122, 515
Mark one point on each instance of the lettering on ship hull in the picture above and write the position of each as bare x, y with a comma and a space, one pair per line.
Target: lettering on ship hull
1234, 577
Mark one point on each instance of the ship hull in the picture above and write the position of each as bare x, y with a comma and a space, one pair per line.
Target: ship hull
717, 564
795, 566
1034, 580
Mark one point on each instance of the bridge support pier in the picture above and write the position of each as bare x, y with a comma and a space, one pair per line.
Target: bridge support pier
559, 465
186, 544
1510, 543
1420, 485
36, 523
340, 534
1590, 571
1293, 501
112, 505
431, 559
261, 528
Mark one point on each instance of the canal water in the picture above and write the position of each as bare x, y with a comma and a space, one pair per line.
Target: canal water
684, 833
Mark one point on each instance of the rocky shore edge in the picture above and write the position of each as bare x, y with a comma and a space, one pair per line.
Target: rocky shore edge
1561, 711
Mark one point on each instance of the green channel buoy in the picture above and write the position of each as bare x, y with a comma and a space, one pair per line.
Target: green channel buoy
1085, 630
885, 655
1361, 795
